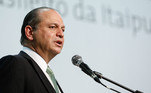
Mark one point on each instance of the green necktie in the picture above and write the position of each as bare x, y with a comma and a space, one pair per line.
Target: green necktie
52, 77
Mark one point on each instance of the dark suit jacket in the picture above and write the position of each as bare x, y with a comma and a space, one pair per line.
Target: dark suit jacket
20, 74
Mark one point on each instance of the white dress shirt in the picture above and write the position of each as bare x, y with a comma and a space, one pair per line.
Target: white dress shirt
39, 60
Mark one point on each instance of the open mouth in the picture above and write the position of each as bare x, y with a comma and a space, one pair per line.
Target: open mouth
59, 43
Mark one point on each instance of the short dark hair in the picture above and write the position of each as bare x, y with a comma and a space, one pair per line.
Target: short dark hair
32, 19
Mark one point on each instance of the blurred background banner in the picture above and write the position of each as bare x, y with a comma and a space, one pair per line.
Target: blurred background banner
113, 37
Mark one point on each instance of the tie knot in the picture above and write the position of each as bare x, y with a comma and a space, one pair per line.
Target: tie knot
49, 71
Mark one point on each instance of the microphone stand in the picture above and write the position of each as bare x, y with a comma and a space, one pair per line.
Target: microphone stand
99, 75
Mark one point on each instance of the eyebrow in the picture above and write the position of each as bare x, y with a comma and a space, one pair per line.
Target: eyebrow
63, 27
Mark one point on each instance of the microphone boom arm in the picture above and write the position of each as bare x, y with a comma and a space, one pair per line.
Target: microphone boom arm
99, 75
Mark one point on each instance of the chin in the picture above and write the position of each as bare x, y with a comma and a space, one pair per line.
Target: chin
58, 51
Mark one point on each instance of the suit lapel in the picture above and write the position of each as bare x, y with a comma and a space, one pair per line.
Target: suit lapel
43, 78
59, 87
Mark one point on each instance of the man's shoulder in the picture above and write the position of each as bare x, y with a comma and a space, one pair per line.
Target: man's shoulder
12, 60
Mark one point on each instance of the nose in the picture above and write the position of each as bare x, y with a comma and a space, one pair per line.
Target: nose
60, 33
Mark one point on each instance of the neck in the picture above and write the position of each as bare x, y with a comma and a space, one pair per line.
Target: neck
45, 55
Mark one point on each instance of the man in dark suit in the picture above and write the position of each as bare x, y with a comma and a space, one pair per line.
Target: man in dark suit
42, 38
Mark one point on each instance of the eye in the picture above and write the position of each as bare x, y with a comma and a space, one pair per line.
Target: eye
52, 27
63, 30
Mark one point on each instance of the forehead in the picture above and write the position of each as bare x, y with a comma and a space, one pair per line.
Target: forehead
51, 16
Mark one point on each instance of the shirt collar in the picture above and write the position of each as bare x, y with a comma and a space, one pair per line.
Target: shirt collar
37, 58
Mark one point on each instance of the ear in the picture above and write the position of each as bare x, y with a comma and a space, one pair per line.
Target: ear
29, 32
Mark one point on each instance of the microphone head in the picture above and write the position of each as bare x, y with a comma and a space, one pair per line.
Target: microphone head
77, 60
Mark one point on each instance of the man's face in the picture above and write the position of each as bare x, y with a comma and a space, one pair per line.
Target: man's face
49, 36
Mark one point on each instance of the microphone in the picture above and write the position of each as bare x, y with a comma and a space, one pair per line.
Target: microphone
77, 61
